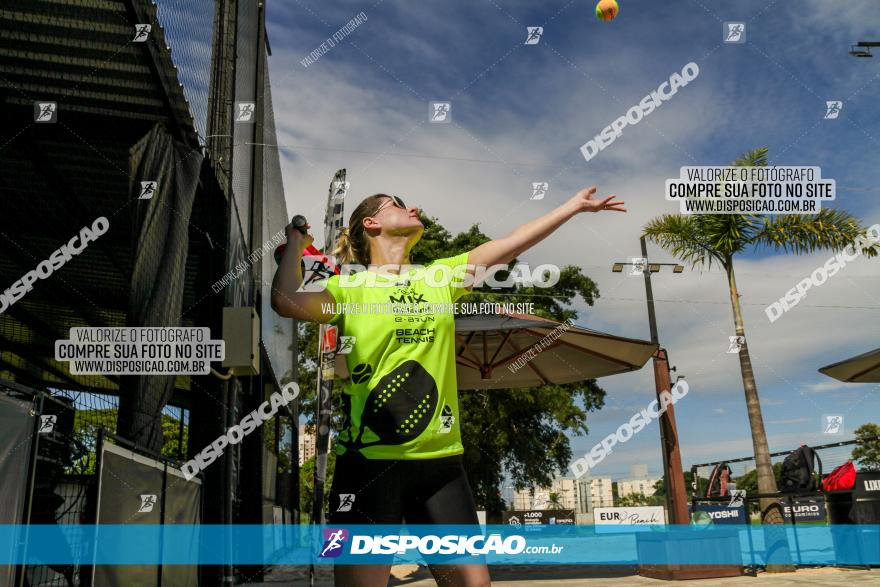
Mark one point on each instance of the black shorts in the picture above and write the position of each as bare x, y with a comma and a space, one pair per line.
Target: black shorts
379, 491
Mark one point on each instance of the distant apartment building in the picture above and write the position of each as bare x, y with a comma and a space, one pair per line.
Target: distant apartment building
538, 498
594, 493
306, 444
631, 486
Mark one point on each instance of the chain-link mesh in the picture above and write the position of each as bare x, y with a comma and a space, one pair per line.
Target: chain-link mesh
188, 31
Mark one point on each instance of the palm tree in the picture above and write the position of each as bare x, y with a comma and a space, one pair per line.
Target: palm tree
707, 239
554, 501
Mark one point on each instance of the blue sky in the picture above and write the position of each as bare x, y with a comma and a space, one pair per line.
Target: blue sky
520, 113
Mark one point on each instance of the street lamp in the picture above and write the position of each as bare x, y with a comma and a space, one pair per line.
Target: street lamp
673, 474
863, 48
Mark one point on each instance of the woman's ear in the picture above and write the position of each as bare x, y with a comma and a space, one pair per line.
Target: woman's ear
371, 223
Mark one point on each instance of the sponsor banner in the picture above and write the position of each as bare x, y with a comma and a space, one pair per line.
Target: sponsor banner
722, 514
170, 544
867, 484
805, 510
640, 518
533, 517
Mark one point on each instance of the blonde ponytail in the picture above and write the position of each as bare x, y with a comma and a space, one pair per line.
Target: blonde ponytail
344, 251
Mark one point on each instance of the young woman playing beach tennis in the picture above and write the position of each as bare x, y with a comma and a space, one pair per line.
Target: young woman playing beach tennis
399, 450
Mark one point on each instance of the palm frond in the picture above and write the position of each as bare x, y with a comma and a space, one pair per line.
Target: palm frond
682, 237
830, 229
752, 158
728, 233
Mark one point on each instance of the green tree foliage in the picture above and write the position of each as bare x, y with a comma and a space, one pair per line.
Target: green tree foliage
520, 432
639, 499
749, 481
660, 485
307, 484
86, 424
172, 447
554, 501
867, 451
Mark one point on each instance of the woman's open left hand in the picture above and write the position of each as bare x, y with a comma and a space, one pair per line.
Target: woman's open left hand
586, 203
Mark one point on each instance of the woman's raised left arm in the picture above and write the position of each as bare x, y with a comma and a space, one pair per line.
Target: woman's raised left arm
524, 237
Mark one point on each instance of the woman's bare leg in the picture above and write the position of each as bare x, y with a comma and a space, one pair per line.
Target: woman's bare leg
461, 575
361, 575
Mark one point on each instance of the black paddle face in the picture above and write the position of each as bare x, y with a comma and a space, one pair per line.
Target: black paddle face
401, 405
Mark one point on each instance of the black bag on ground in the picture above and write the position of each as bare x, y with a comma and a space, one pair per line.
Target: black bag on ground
798, 468
718, 480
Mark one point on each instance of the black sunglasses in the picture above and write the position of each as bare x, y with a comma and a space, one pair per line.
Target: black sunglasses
395, 201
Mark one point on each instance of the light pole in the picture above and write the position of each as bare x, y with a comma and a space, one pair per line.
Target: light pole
673, 474
863, 48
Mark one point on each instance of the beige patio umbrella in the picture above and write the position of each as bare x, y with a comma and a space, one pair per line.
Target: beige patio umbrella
864, 368
521, 350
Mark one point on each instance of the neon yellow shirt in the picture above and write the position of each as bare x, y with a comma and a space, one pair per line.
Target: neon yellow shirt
401, 400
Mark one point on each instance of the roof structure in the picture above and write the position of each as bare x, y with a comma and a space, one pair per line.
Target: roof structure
58, 177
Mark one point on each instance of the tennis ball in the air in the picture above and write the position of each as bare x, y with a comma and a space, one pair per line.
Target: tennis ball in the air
606, 10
